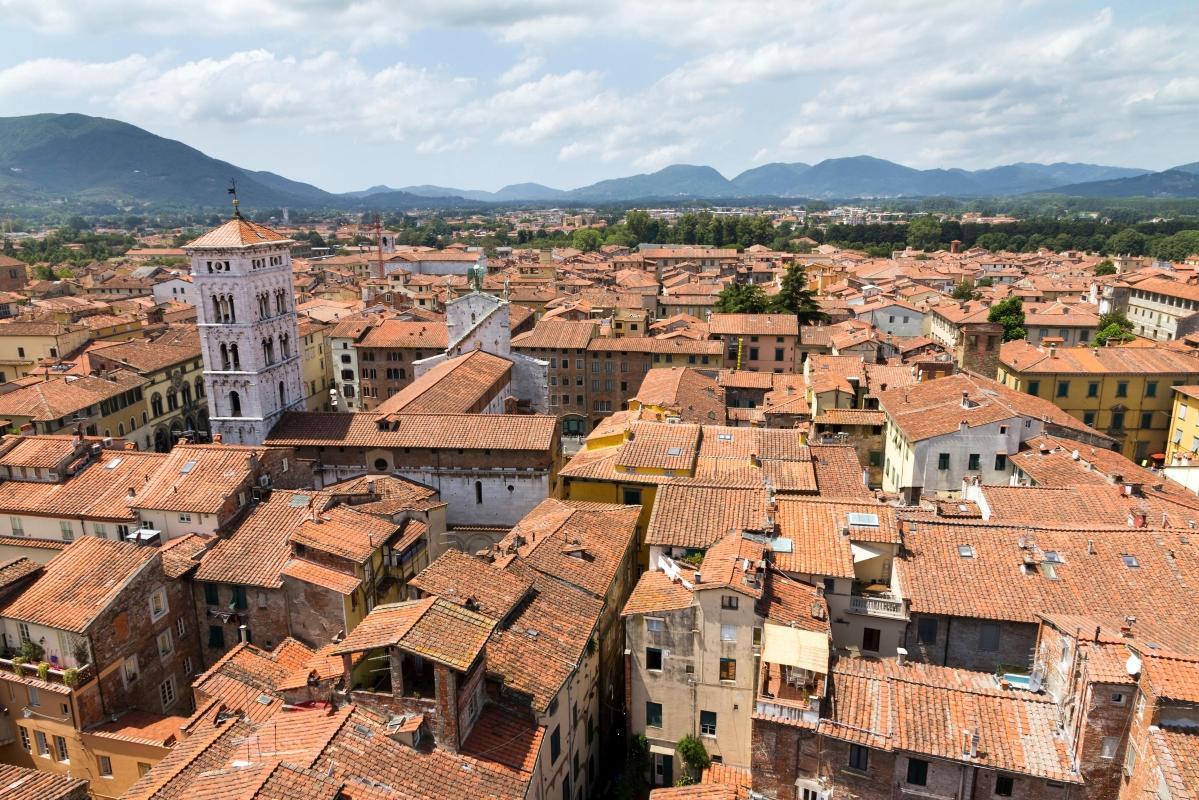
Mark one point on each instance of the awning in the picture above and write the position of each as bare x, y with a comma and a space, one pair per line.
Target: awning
865, 552
795, 648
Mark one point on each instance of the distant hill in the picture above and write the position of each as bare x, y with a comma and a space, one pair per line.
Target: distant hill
46, 158
1173, 183
54, 155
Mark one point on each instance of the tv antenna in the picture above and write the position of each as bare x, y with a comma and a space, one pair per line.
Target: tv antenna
233, 191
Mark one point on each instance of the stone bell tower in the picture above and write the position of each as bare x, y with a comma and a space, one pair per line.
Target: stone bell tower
248, 334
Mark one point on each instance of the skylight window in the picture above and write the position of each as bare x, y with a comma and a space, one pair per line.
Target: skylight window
299, 500
859, 520
965, 551
724, 437
1054, 557
674, 451
1130, 561
189, 466
116, 462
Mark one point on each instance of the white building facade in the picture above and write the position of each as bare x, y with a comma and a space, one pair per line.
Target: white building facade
247, 320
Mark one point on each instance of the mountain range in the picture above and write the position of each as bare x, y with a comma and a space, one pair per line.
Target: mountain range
51, 157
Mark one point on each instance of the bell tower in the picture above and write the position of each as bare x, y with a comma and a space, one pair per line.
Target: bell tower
249, 339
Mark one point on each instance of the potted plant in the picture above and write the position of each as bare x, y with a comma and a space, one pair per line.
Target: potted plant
43, 670
71, 677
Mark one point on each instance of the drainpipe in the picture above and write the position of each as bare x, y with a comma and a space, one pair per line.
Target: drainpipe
945, 655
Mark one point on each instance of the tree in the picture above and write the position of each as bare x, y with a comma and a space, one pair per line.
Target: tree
586, 239
694, 755
924, 233
739, 299
1114, 327
964, 291
1178, 247
1010, 314
1128, 242
796, 298
1105, 267
985, 283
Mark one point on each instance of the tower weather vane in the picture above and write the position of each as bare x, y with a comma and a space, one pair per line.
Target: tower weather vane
233, 191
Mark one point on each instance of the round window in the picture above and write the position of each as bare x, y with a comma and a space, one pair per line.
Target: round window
381, 464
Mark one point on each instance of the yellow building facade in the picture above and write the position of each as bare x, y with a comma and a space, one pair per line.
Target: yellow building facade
1184, 424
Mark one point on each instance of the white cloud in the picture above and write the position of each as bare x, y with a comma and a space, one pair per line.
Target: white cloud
66, 76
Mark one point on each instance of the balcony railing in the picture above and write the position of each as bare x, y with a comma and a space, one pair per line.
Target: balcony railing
29, 669
874, 606
788, 713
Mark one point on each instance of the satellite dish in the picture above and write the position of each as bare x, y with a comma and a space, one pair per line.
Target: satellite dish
1133, 664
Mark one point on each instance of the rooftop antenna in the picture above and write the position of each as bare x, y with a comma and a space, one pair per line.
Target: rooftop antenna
233, 191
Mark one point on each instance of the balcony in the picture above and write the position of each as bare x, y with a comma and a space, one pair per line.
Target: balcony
877, 605
75, 678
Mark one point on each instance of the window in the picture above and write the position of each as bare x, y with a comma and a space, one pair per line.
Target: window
18, 528
859, 758
728, 669
142, 768
216, 637
166, 692
728, 602
1034, 387
43, 745
212, 595
1003, 785
1151, 389
1118, 420
926, 630
555, 744
158, 605
1182, 412
728, 633
1130, 759
653, 658
478, 492
1130, 561
1118, 698
239, 599
1146, 419
943, 461
707, 723
60, 750
654, 625
131, 672
1000, 461
1088, 418
973, 462
1063, 389
917, 772
988, 636
653, 715
1093, 389
25, 745
35, 695
68, 533
1122, 389
165, 645
1110, 745
630, 497
870, 639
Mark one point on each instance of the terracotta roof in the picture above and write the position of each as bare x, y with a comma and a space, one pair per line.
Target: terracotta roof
237, 232
934, 408
79, 583
198, 478
745, 379
655, 592
474, 583
397, 334
1176, 752
345, 532
1023, 357
753, 324
21, 783
732, 563
15, 570
142, 726
455, 386
503, 737
693, 516
144, 355
556, 334
690, 393
98, 491
644, 344
39, 452
255, 551
463, 431
432, 628
61, 397
322, 576
850, 416
583, 544
182, 554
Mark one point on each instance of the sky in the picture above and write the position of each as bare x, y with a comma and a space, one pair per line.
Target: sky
476, 94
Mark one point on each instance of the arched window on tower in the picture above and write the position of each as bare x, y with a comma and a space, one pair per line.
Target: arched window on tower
268, 350
185, 392
280, 302
218, 313
156, 404
264, 309
478, 491
232, 309
234, 404
282, 396
172, 399
284, 346
224, 356
199, 387
236, 358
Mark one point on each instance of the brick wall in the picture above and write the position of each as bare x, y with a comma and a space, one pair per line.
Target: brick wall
959, 639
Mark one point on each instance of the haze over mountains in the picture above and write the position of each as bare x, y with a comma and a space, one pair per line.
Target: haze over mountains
49, 156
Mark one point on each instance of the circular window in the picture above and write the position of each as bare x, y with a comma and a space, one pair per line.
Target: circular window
381, 464
511, 488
